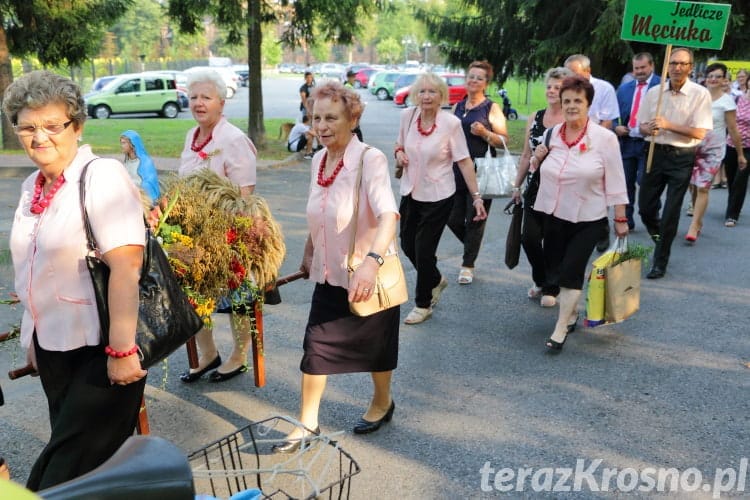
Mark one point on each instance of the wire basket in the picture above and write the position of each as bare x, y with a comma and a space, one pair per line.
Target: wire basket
244, 461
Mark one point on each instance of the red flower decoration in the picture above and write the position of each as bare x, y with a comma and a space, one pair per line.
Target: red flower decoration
231, 236
202, 155
239, 274
582, 147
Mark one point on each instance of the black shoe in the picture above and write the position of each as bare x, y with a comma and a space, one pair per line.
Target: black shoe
656, 272
366, 427
217, 376
572, 326
602, 245
555, 346
188, 377
293, 445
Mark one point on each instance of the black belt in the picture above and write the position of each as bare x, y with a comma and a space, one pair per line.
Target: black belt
676, 149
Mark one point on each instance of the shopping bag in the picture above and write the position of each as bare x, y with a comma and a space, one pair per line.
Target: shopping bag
623, 294
597, 284
496, 175
513, 240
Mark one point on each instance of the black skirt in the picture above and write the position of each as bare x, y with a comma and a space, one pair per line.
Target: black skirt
337, 341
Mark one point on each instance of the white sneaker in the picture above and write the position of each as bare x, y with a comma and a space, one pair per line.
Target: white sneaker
418, 315
438, 291
465, 276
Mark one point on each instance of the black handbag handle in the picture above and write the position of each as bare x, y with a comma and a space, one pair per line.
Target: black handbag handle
90, 240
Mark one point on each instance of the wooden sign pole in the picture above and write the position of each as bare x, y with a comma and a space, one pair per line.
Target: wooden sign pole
667, 55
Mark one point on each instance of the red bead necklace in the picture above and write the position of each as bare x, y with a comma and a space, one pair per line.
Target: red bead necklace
578, 139
325, 182
198, 147
38, 204
425, 132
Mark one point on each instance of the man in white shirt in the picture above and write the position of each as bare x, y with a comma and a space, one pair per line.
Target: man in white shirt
301, 137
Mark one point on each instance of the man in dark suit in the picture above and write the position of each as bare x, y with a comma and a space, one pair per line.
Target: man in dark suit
632, 145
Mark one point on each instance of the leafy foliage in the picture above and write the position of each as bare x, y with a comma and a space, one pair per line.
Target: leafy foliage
526, 37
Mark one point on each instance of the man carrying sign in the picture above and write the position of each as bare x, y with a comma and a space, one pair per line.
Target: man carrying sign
684, 119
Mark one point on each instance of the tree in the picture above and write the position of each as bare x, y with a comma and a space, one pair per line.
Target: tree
57, 32
525, 37
305, 22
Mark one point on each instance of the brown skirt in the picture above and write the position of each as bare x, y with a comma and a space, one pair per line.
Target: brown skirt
337, 341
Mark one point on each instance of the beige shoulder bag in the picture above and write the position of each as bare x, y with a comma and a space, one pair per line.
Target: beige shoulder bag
390, 284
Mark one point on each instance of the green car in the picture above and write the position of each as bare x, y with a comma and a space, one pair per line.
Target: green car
382, 83
135, 93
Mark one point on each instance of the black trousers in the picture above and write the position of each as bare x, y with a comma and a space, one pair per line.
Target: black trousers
532, 236
89, 417
468, 231
736, 182
422, 224
568, 247
671, 169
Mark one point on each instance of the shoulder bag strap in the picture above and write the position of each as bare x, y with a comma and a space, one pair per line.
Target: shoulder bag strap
357, 186
548, 136
90, 241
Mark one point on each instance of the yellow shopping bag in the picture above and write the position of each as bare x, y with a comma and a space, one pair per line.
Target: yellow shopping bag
597, 287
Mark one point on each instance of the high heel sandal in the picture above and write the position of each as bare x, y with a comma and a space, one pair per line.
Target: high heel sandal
692, 239
572, 326
293, 445
555, 346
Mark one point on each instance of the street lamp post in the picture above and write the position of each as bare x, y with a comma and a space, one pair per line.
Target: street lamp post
406, 41
426, 46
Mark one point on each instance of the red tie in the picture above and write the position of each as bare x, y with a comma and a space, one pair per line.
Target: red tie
636, 104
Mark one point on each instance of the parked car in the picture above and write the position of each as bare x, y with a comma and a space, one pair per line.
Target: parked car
101, 82
363, 77
456, 90
243, 72
286, 67
135, 93
331, 70
180, 79
230, 77
382, 84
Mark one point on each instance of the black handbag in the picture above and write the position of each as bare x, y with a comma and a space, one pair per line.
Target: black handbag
513, 241
166, 320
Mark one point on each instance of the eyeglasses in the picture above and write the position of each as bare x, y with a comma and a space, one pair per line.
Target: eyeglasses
47, 128
681, 64
714, 77
476, 77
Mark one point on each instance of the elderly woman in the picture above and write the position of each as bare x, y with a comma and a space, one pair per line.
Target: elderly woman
582, 175
483, 124
139, 164
93, 390
528, 174
218, 145
336, 341
712, 149
429, 142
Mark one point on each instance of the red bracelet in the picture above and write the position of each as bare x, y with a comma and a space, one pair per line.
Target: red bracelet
120, 354
621, 219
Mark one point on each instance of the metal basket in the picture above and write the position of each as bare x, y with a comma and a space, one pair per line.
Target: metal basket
244, 460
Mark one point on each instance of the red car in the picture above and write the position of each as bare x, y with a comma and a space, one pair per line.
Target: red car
362, 77
456, 90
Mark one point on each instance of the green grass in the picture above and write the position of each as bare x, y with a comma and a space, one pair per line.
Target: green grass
165, 137
526, 98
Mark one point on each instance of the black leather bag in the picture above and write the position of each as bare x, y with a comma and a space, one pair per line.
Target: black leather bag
166, 320
513, 241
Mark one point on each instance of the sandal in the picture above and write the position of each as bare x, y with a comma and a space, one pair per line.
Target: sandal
418, 315
465, 276
534, 292
730, 223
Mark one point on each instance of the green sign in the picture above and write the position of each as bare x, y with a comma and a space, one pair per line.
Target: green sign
688, 24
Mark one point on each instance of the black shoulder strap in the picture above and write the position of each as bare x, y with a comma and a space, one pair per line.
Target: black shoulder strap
90, 241
548, 136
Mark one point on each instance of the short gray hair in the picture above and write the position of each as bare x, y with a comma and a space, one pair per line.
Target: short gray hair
207, 75
40, 88
435, 80
558, 73
583, 60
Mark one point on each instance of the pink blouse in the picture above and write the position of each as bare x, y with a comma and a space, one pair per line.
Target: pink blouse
330, 210
579, 183
230, 153
48, 250
429, 176
743, 122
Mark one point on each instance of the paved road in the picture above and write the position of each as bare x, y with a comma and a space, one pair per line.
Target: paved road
475, 391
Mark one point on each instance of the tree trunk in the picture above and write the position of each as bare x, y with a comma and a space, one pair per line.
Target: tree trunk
256, 128
10, 140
